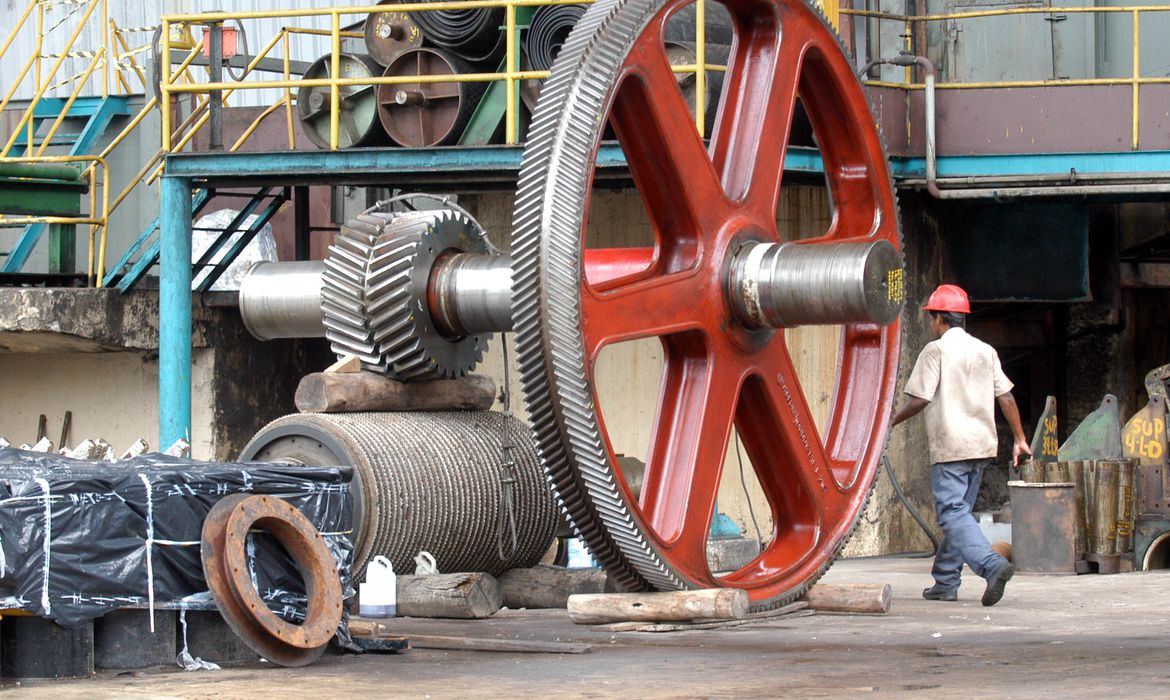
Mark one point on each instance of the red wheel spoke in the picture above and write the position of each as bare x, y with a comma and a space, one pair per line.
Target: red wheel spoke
666, 156
778, 429
605, 266
695, 414
751, 138
855, 169
657, 306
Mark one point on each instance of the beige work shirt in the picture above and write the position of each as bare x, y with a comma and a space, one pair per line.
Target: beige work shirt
960, 376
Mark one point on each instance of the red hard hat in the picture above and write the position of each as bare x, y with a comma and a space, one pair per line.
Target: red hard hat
948, 297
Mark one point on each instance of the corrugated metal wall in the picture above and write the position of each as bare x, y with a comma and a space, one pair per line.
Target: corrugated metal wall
61, 19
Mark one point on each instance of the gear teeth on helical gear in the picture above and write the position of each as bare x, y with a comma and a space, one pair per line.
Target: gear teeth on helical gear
551, 202
343, 294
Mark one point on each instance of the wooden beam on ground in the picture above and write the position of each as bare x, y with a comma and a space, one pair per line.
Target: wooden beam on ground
345, 392
850, 598
707, 604
468, 596
523, 646
548, 586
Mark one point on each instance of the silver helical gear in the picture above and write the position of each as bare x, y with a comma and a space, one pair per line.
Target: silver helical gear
375, 291
396, 294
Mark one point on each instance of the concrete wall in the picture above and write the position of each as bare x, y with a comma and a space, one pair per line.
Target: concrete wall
95, 353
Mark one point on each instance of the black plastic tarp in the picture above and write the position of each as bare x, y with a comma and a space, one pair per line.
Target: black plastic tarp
79, 539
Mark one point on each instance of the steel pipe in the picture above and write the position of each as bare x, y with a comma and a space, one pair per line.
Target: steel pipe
790, 284
283, 300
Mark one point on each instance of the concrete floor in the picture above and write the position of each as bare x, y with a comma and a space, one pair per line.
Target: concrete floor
1050, 637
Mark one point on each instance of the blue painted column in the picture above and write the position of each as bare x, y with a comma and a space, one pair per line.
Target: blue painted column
174, 323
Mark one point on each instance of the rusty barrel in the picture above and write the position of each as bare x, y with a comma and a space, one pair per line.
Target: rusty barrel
1043, 527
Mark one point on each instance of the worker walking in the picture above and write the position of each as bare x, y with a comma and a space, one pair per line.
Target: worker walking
956, 380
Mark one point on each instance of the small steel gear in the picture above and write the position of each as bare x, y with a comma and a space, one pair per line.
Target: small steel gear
396, 291
375, 290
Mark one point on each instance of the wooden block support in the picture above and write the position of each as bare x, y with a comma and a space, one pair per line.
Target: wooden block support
851, 598
707, 604
469, 596
345, 392
548, 586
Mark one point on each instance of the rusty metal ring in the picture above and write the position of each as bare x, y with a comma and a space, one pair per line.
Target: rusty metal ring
229, 579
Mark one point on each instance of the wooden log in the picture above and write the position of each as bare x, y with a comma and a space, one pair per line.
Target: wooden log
853, 597
548, 586
797, 609
342, 392
707, 604
469, 596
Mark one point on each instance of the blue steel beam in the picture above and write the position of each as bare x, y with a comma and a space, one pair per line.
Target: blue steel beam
322, 165
174, 311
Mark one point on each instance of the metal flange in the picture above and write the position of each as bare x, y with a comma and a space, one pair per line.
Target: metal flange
228, 576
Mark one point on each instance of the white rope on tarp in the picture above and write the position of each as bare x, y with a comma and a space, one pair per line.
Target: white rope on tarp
46, 606
149, 547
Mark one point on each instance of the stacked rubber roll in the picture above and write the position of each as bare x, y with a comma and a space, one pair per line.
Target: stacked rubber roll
550, 28
426, 114
473, 34
425, 481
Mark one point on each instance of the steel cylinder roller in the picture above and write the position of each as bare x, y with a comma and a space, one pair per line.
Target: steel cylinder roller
425, 481
719, 288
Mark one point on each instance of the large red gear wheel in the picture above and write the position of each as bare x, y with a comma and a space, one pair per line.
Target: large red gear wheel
705, 203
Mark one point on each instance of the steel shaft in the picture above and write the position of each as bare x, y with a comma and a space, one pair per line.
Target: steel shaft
790, 284
283, 300
771, 286
471, 294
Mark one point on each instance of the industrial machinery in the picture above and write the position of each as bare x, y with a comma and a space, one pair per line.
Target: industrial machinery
415, 295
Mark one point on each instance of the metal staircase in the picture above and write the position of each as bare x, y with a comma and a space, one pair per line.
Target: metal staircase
98, 113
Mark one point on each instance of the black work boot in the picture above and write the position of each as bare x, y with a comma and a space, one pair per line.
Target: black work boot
936, 593
997, 583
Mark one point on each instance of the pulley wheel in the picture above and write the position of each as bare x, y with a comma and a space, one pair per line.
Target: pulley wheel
358, 124
419, 115
705, 203
388, 34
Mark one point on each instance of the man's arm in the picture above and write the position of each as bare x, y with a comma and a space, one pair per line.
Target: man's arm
913, 407
1007, 404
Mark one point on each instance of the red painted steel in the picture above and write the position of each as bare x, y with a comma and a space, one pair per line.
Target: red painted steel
704, 203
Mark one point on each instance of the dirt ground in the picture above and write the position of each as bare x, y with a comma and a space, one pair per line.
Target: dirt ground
1050, 637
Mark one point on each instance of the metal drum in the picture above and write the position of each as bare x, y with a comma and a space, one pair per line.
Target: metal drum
388, 34
1044, 527
426, 481
419, 115
359, 124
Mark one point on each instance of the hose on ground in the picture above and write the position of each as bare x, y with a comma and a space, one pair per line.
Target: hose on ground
910, 507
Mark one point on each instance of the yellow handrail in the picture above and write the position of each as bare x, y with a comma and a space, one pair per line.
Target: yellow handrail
1134, 81
511, 74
